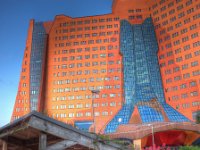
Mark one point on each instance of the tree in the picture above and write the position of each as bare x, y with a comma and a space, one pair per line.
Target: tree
198, 117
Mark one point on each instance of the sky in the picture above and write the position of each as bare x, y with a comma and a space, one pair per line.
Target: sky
14, 20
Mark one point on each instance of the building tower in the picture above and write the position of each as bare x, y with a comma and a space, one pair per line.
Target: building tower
143, 59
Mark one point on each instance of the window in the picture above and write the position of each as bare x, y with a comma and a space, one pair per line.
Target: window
139, 16
180, 7
87, 35
188, 56
87, 49
196, 73
94, 21
163, 8
176, 42
83, 42
175, 34
94, 34
184, 30
138, 10
168, 71
183, 86
94, 55
172, 11
112, 95
99, 41
83, 80
71, 58
79, 57
194, 35
175, 97
79, 65
178, 51
194, 63
72, 51
87, 56
102, 48
177, 78
104, 113
178, 25
182, 14
196, 44
94, 48
186, 47
71, 73
94, 71
110, 54
196, 53
189, 11
87, 28
94, 28
186, 75
169, 80
102, 55
176, 69
185, 66
91, 42
185, 39
170, 62
79, 22
170, 4
189, 2
197, 16
194, 93
79, 29
87, 21
64, 59
179, 59
187, 21
192, 27
87, 114
172, 19
71, 115
193, 83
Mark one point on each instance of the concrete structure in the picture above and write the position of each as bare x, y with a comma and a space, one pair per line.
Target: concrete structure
39, 132
143, 58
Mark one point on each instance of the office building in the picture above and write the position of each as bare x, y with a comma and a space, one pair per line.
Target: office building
138, 64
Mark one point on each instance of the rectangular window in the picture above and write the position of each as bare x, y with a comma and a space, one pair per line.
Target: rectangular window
194, 63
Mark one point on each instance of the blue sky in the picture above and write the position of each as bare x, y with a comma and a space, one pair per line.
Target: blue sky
14, 21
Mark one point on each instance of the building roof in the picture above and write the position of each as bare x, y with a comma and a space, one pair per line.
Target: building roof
26, 131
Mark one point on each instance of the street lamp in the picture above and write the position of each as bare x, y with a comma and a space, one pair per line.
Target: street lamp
120, 120
152, 131
93, 93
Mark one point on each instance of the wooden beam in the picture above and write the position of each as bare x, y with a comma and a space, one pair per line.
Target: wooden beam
61, 145
5, 146
68, 134
42, 141
13, 130
13, 140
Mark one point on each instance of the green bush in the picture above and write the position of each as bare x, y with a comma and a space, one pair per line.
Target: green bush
198, 118
190, 148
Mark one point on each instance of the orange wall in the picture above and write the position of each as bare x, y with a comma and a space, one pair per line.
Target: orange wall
169, 20
22, 102
56, 72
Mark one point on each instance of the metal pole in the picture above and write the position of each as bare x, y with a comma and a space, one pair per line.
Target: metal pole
152, 136
93, 111
93, 93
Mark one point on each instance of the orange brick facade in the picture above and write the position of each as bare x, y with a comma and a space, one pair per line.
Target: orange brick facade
83, 54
